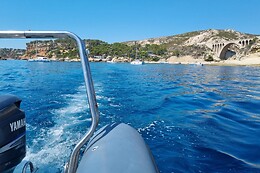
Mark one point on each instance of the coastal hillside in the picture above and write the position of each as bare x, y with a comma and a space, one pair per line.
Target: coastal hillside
203, 37
59, 49
196, 44
9, 53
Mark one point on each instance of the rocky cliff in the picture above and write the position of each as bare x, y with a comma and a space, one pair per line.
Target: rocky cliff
9, 53
59, 49
199, 43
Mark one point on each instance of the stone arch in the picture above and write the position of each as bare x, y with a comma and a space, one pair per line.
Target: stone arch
225, 49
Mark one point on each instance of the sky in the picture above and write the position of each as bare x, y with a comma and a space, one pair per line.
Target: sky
125, 20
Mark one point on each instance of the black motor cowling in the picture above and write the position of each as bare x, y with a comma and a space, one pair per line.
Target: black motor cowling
12, 133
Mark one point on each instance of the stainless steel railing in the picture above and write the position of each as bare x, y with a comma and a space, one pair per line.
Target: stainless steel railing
71, 166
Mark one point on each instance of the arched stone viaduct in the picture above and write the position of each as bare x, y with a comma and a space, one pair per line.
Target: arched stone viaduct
221, 48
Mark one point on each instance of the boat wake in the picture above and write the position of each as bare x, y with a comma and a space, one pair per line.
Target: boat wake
51, 147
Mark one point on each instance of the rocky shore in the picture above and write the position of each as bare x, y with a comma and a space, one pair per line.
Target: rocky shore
248, 60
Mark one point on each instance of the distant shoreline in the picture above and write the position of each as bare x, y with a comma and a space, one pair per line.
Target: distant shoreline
249, 60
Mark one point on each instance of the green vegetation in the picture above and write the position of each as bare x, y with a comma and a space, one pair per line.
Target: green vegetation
176, 41
59, 48
66, 48
100, 48
227, 35
176, 53
6, 53
209, 58
148, 52
189, 34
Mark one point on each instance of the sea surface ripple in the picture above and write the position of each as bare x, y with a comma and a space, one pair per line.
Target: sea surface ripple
194, 118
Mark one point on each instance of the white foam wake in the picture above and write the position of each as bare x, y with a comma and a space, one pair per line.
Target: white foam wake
51, 147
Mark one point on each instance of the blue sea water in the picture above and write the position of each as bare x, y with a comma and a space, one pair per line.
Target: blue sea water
194, 118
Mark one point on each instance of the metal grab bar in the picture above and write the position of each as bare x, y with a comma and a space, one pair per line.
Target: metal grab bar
32, 168
74, 158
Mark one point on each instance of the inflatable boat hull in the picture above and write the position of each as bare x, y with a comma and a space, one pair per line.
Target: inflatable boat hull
117, 148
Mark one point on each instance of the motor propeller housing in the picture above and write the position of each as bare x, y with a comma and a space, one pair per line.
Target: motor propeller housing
12, 133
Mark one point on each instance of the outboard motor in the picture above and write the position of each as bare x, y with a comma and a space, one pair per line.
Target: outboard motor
12, 133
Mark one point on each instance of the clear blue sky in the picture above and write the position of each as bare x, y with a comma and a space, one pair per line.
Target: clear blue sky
123, 20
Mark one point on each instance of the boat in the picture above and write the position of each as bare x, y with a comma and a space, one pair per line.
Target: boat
199, 64
111, 62
114, 148
136, 61
39, 59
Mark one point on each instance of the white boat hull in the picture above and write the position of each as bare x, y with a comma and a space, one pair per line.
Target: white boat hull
39, 59
137, 62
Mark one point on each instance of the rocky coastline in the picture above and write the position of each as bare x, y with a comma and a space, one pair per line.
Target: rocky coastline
198, 47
